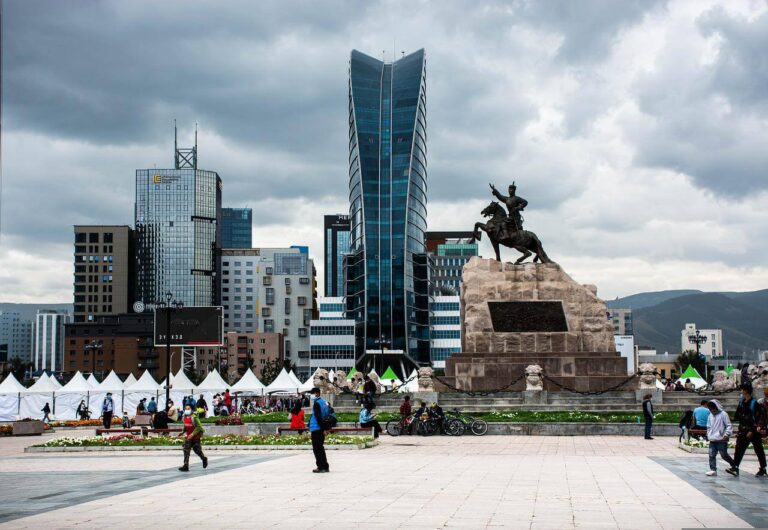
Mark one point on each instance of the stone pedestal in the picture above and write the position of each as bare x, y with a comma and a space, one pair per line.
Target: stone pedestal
535, 397
518, 315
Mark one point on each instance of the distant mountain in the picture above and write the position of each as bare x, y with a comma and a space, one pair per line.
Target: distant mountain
743, 317
28, 311
640, 300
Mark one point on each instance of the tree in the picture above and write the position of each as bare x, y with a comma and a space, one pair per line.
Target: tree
688, 358
270, 371
17, 367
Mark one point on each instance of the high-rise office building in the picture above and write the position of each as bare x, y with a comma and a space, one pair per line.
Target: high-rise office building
271, 290
336, 247
387, 275
236, 228
16, 335
178, 221
450, 252
49, 339
103, 271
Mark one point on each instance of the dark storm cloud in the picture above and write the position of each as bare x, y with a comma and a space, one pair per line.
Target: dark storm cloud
709, 119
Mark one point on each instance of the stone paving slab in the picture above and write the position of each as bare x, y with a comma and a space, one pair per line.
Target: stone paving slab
406, 482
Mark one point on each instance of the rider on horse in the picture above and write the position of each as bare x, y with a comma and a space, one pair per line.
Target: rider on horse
515, 205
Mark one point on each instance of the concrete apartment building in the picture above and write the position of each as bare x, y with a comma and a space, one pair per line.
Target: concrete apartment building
622, 321
260, 348
271, 290
712, 346
103, 283
16, 336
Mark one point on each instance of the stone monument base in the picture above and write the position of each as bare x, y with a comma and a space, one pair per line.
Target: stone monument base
515, 315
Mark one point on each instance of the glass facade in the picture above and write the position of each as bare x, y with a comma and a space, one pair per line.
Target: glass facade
178, 213
236, 228
336, 247
387, 273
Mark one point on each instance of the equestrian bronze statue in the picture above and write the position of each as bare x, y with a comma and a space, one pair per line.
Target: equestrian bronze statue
506, 227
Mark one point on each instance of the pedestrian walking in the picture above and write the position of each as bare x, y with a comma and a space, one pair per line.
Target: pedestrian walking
719, 429
107, 410
368, 419
192, 433
648, 415
751, 422
320, 410
46, 410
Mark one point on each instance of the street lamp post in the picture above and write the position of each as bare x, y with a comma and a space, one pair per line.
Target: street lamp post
169, 305
698, 339
92, 347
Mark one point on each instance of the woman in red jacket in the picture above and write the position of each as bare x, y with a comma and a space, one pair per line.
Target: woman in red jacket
297, 418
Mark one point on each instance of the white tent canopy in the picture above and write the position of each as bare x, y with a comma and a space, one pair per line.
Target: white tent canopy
77, 385
44, 384
145, 383
284, 384
11, 386
111, 383
54, 381
294, 378
309, 384
130, 380
213, 381
413, 383
180, 382
249, 383
93, 381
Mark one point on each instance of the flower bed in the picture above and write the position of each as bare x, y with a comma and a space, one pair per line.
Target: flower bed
84, 423
129, 440
229, 420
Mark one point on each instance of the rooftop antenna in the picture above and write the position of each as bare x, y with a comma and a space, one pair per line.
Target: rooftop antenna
184, 158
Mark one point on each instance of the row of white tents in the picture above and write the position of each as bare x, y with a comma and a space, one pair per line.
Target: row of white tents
18, 401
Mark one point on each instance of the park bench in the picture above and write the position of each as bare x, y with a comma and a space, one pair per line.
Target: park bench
369, 430
133, 430
146, 430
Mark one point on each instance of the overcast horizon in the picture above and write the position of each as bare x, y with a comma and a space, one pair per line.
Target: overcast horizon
636, 130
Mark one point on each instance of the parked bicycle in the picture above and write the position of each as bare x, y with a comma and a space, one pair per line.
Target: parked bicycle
462, 422
400, 426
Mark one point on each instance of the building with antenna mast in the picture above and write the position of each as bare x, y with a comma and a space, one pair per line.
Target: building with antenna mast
178, 223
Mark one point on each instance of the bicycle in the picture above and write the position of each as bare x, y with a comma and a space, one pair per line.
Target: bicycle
398, 427
477, 426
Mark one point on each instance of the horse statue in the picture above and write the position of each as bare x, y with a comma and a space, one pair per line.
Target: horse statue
502, 232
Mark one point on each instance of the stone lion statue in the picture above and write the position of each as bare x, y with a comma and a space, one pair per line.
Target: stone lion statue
341, 380
320, 380
375, 378
425, 380
721, 382
761, 382
647, 373
533, 377
735, 378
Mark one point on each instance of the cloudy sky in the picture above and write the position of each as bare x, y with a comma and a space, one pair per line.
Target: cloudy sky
636, 129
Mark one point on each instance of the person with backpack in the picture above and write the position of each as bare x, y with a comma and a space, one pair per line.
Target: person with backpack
751, 421
318, 424
648, 415
46, 410
719, 429
193, 432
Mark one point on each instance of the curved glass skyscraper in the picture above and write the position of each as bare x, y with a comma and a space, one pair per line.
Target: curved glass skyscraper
387, 280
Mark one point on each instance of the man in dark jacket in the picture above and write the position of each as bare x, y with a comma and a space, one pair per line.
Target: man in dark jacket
749, 415
320, 410
369, 391
648, 415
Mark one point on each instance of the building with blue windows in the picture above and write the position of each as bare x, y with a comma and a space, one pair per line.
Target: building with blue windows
336, 229
236, 229
332, 337
450, 251
178, 220
387, 283
444, 328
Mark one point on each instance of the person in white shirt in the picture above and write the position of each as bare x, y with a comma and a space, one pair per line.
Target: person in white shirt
719, 429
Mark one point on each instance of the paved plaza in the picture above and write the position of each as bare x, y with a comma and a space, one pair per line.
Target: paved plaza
406, 482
